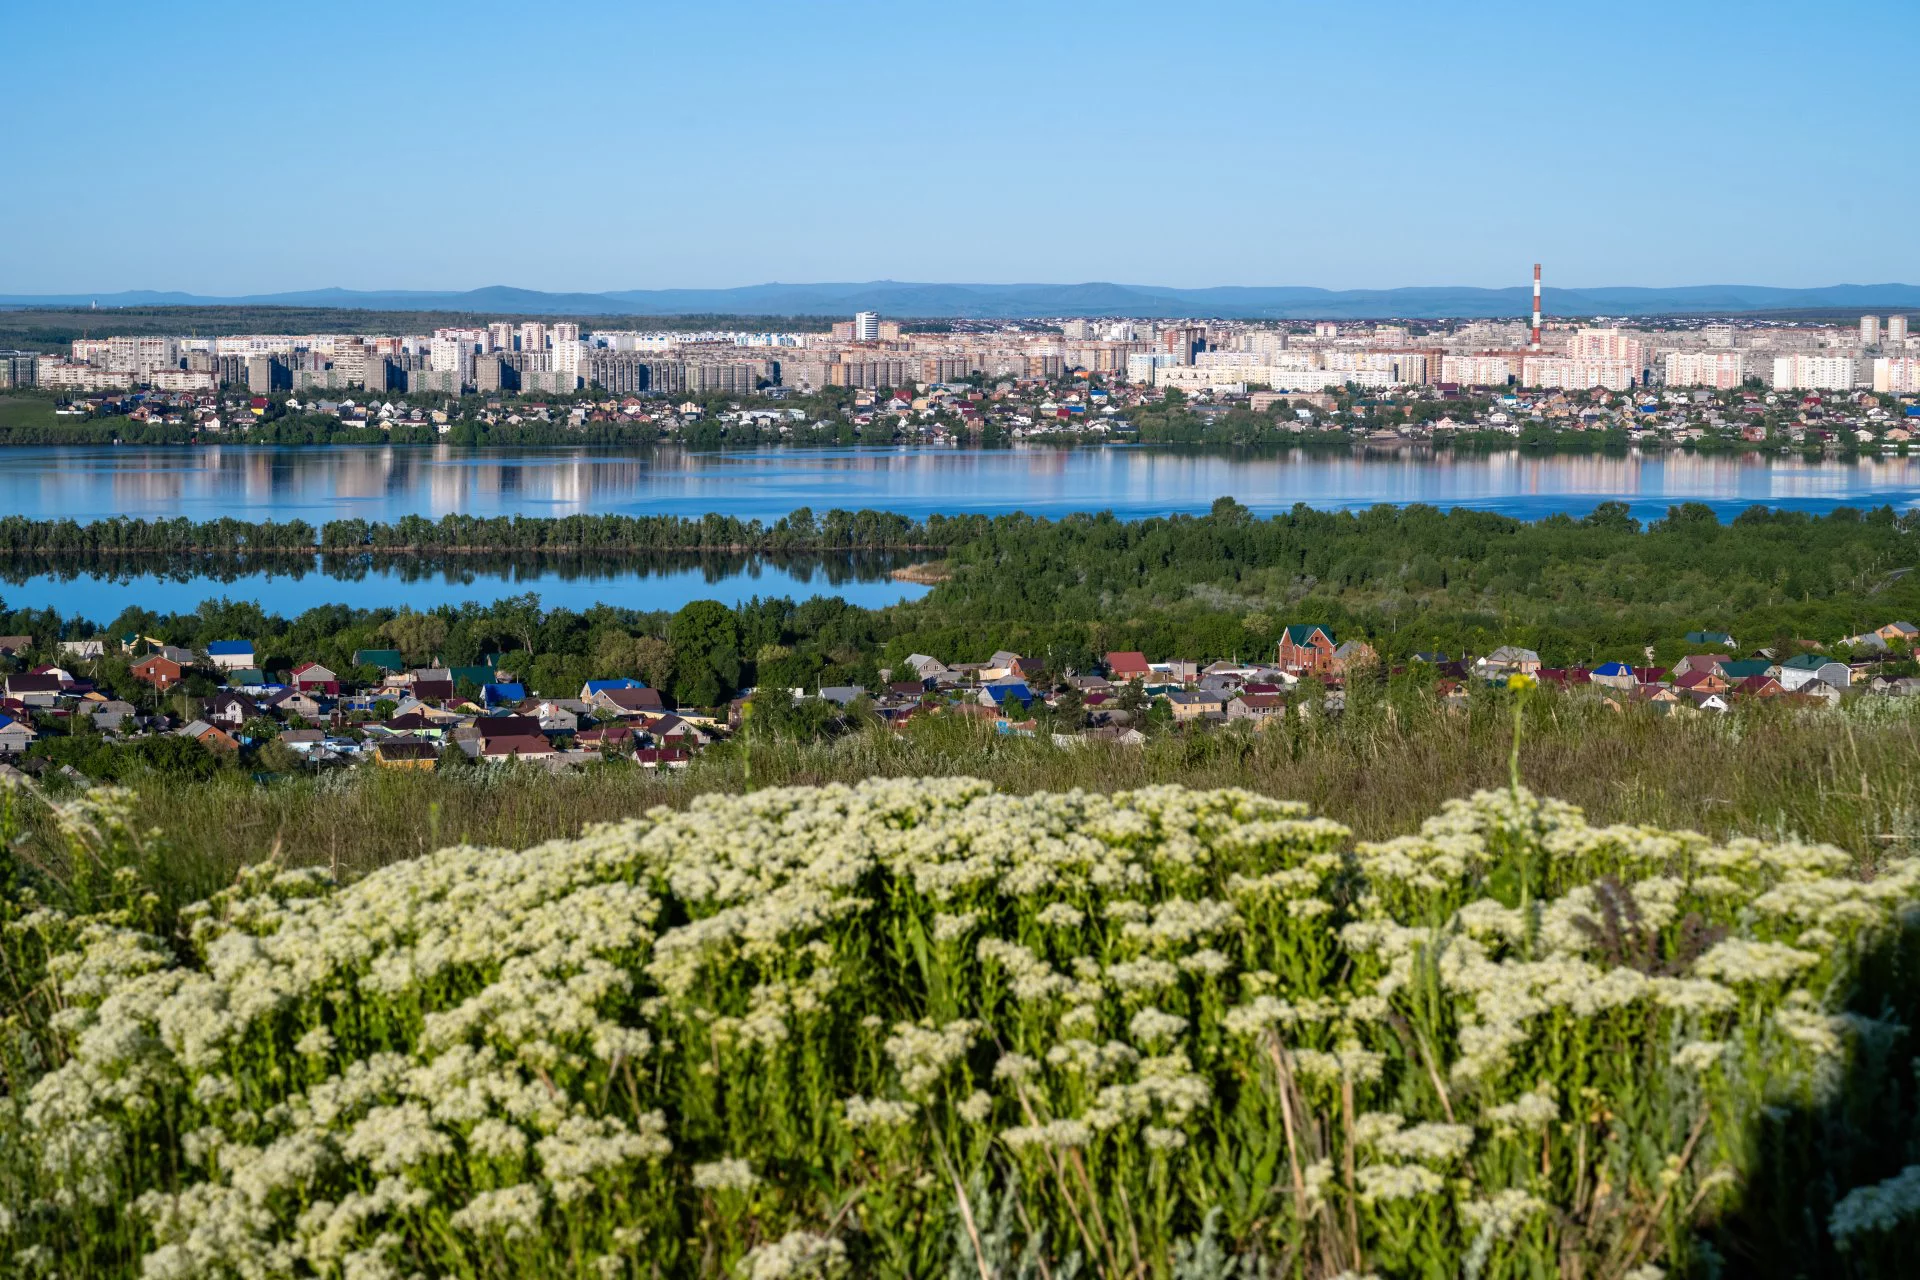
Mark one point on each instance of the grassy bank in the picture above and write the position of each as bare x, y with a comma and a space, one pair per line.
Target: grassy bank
1841, 777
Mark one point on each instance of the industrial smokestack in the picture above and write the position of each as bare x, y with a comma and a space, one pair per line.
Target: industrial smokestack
1536, 306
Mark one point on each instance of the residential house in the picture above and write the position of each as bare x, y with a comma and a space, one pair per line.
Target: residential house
592, 687
511, 726
1893, 633
1720, 638
841, 695
1758, 686
35, 689
230, 655
176, 653
927, 668
1002, 664
311, 677
1509, 660
1128, 665
407, 753
296, 702
1306, 649
1352, 655
1695, 662
305, 741
14, 646
611, 737
1802, 670
159, 671
1257, 707
15, 736
1118, 735
503, 692
516, 747
662, 757
385, 659
672, 731
82, 650
1006, 690
1613, 675
229, 710
1702, 682
109, 715
627, 702
210, 736
1196, 704
433, 685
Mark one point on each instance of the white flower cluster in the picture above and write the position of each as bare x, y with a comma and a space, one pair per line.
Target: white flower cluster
829, 989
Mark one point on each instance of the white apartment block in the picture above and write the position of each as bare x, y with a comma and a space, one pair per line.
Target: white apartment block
1896, 375
1607, 344
1869, 330
1721, 370
1476, 371
1573, 373
1813, 373
453, 355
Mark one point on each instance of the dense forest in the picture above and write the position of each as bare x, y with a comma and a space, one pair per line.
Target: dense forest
1215, 586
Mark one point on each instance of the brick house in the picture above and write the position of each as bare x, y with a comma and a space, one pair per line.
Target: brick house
1306, 648
161, 672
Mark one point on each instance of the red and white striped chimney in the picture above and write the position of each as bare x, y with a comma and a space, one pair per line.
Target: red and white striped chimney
1536, 306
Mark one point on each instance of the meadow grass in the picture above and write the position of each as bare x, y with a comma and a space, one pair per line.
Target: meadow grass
1845, 778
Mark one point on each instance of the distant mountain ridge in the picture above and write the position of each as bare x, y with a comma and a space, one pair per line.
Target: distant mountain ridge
1014, 301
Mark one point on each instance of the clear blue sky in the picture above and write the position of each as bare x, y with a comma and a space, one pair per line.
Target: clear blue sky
260, 147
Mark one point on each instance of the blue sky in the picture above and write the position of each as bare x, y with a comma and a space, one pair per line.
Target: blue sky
251, 148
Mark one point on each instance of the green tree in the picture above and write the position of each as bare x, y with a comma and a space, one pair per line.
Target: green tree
706, 645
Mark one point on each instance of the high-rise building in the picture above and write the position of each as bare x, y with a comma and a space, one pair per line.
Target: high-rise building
1896, 333
866, 326
453, 355
1721, 370
1896, 375
1813, 373
1182, 342
500, 336
532, 336
1869, 330
267, 374
1606, 344
564, 331
19, 369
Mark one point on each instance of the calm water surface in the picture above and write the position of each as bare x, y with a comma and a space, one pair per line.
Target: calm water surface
380, 483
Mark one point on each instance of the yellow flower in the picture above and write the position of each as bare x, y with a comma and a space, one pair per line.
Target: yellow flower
1521, 680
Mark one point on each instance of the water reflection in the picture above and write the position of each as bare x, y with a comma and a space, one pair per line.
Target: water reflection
377, 483
289, 584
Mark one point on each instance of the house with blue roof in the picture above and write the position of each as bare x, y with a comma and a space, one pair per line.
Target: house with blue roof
997, 695
495, 695
1615, 675
230, 655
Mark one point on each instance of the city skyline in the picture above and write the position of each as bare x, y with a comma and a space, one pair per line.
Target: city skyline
1402, 146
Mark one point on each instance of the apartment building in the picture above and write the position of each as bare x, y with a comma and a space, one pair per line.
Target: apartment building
1814, 373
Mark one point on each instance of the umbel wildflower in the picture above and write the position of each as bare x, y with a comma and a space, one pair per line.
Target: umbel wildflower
793, 1033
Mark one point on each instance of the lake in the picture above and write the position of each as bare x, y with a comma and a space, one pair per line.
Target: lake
297, 583
383, 483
